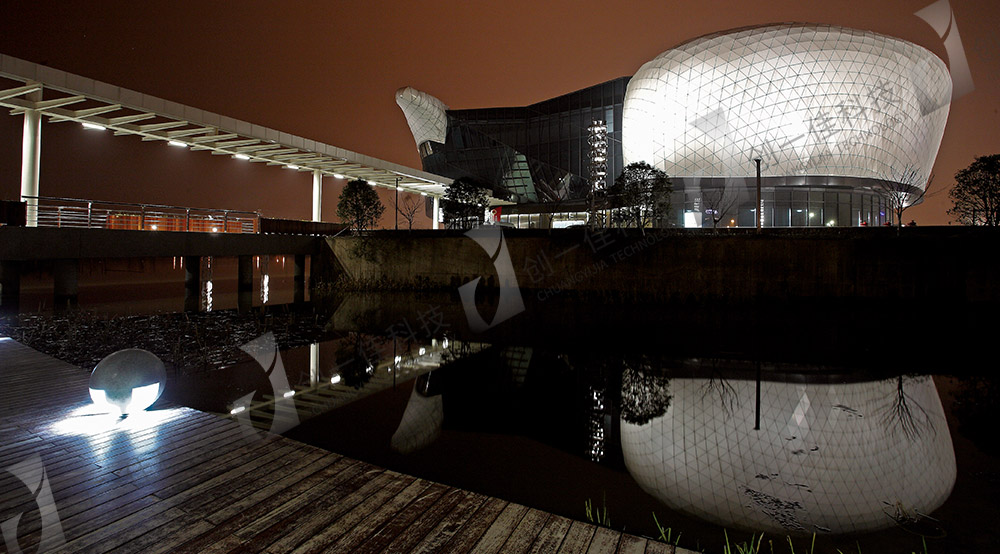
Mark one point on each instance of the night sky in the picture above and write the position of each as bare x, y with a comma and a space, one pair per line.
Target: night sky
328, 70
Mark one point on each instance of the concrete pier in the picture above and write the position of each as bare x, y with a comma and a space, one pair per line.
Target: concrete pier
192, 283
10, 286
67, 283
244, 283
299, 278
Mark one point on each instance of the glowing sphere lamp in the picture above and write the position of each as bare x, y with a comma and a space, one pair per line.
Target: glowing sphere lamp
128, 381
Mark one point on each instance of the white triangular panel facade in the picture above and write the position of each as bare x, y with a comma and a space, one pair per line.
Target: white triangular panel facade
807, 99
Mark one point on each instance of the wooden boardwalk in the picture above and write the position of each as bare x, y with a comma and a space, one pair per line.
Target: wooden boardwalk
179, 480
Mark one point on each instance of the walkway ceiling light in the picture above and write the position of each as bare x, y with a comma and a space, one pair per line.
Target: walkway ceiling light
176, 143
241, 157
291, 166
338, 176
93, 126
423, 194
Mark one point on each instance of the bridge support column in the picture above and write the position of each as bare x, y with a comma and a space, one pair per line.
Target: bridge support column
192, 283
244, 283
67, 283
317, 207
436, 213
31, 152
299, 278
10, 286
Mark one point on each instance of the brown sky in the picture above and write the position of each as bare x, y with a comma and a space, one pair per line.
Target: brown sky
328, 71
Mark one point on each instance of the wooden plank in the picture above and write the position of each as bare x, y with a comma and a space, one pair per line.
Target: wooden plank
657, 547
271, 523
270, 501
362, 521
164, 538
605, 541
350, 517
438, 537
552, 535
497, 533
630, 544
526, 532
293, 531
577, 538
469, 534
412, 522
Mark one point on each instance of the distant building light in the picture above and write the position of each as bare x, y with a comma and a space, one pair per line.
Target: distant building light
93, 126
215, 229
154, 227
176, 143
422, 351
241, 157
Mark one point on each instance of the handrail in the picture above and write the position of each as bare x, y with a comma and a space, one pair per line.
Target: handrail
138, 204
54, 211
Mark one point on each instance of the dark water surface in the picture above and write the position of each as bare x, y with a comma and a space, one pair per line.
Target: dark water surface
786, 419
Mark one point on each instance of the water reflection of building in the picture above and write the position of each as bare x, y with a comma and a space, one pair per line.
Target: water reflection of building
828, 457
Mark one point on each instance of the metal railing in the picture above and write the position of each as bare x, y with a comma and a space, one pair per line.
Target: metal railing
49, 211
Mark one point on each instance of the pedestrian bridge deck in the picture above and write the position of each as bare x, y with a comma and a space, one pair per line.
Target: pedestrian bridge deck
179, 480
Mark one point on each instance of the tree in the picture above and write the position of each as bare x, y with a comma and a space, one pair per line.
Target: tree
359, 206
409, 209
718, 201
976, 194
901, 188
641, 195
464, 203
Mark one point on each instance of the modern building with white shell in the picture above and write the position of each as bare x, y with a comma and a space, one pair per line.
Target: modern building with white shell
834, 114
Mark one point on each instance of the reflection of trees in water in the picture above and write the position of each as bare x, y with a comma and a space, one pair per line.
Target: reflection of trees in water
977, 402
719, 387
904, 413
645, 395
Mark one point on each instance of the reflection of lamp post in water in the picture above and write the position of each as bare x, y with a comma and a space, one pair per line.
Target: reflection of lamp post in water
758, 211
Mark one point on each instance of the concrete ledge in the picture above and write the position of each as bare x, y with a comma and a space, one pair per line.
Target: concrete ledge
47, 243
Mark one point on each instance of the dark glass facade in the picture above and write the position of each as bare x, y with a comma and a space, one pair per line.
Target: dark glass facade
538, 153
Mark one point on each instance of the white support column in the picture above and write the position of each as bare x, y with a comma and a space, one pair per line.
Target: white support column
31, 153
436, 213
317, 207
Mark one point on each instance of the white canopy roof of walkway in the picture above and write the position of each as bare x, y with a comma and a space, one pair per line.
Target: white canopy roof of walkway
63, 96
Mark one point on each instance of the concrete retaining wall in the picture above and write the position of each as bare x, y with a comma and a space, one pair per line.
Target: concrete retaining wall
942, 264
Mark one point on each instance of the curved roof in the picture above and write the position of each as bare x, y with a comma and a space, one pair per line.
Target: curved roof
806, 99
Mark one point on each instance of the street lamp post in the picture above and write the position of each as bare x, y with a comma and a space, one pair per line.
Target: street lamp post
397, 204
758, 211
